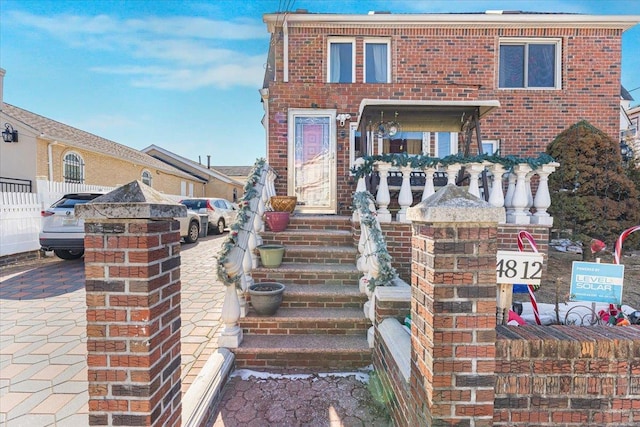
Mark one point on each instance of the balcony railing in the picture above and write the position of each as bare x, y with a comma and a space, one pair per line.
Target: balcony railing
396, 179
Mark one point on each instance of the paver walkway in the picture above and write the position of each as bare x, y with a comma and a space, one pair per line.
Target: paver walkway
43, 370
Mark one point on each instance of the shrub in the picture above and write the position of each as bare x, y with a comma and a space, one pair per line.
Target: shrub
591, 192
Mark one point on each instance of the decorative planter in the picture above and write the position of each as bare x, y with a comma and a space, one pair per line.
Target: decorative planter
276, 221
283, 203
271, 255
266, 297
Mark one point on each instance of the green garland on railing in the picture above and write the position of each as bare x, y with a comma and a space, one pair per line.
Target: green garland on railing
422, 161
242, 216
386, 273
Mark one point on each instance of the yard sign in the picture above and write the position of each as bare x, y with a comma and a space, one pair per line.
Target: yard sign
595, 282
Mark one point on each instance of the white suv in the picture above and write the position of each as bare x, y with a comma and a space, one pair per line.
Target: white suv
63, 233
221, 212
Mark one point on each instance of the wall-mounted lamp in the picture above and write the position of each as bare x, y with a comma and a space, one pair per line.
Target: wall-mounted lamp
342, 117
8, 134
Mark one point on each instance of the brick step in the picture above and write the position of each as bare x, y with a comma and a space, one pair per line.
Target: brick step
315, 237
306, 321
320, 254
323, 296
303, 351
319, 222
308, 274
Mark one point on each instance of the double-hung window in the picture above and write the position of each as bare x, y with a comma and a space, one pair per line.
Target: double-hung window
341, 63
530, 63
376, 61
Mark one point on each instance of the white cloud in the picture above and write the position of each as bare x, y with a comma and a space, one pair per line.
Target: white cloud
183, 53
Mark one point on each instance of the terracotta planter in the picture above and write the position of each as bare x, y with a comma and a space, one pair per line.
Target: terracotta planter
276, 221
271, 255
266, 297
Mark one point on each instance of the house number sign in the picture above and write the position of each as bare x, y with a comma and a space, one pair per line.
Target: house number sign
519, 267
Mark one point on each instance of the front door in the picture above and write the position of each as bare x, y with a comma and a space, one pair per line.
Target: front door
312, 159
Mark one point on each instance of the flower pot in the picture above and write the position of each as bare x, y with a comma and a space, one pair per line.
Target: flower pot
276, 221
283, 203
271, 255
266, 297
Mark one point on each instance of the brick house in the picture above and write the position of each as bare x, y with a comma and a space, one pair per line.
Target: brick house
340, 86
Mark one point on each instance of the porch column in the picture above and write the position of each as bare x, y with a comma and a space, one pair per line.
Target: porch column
453, 309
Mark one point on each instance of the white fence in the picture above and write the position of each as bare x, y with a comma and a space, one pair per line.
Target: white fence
19, 223
20, 213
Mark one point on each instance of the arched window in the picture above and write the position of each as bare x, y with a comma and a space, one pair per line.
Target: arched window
73, 167
147, 177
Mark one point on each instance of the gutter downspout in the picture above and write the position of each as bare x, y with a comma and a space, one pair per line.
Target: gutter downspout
285, 53
50, 159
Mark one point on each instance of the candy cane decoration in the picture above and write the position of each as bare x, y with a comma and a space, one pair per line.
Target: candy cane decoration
617, 253
534, 304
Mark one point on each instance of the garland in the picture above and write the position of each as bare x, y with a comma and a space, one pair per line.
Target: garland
242, 217
423, 161
386, 273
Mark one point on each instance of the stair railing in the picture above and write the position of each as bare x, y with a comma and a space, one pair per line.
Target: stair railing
237, 257
374, 261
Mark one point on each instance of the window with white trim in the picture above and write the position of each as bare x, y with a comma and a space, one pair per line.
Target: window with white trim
490, 146
147, 178
377, 63
341, 61
530, 63
73, 168
446, 144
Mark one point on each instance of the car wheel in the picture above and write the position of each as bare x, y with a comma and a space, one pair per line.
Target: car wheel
220, 227
68, 253
194, 232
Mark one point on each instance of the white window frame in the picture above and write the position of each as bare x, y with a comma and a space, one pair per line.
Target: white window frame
364, 56
453, 143
495, 144
81, 166
148, 173
352, 41
528, 41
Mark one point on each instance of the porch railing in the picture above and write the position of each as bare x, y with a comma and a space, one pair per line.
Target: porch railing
394, 179
15, 185
237, 257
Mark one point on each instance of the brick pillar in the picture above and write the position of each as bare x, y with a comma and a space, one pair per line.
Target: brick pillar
453, 309
132, 269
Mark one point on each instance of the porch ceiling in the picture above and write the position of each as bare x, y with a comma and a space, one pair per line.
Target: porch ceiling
425, 115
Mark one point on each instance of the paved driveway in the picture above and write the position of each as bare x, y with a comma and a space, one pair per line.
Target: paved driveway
43, 371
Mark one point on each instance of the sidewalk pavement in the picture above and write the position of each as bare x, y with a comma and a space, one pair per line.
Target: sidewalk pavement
43, 371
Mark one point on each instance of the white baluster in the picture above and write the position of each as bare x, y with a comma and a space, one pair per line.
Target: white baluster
247, 265
452, 172
496, 195
542, 201
519, 201
511, 189
405, 198
361, 186
474, 172
428, 183
231, 335
527, 181
383, 198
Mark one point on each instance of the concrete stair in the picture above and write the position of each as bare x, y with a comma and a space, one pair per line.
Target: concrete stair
320, 324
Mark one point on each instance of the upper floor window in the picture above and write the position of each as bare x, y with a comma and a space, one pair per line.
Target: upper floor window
530, 63
446, 144
73, 167
147, 177
341, 63
376, 61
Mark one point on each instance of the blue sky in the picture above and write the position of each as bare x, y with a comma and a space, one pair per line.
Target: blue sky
185, 75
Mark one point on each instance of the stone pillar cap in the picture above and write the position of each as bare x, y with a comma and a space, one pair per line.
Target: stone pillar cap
455, 204
132, 200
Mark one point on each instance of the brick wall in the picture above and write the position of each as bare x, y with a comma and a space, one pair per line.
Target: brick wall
567, 375
132, 270
449, 64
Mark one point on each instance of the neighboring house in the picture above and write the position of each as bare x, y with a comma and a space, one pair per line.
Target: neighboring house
239, 173
216, 184
52, 151
631, 135
339, 86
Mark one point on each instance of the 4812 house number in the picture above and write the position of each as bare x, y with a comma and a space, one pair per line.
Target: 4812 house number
519, 267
